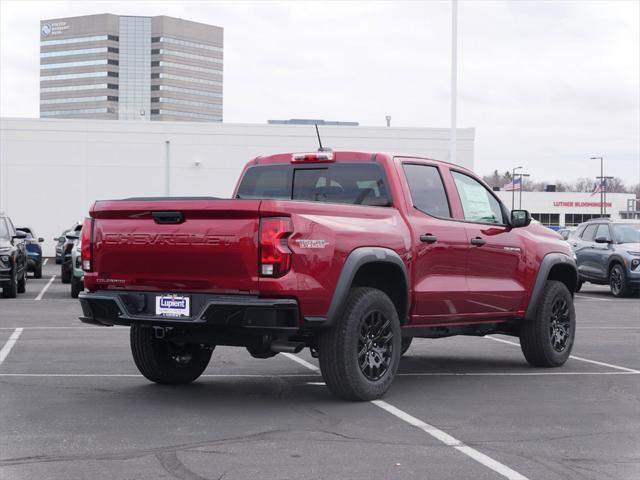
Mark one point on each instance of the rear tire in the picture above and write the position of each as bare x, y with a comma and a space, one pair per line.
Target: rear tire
165, 362
65, 274
618, 282
359, 356
22, 283
547, 339
11, 290
406, 343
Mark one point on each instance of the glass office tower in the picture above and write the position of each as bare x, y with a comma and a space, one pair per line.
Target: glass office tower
130, 68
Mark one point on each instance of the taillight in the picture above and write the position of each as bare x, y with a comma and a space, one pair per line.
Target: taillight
314, 157
87, 247
275, 255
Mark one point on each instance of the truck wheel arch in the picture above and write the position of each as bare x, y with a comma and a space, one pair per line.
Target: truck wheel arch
554, 266
376, 267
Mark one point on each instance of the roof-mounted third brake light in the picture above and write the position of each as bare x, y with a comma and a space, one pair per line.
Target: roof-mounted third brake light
314, 157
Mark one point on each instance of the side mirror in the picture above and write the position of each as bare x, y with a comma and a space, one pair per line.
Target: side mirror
520, 218
72, 237
602, 240
20, 234
40, 239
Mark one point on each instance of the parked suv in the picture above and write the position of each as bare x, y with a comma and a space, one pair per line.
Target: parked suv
77, 274
350, 254
608, 252
34, 251
13, 259
70, 238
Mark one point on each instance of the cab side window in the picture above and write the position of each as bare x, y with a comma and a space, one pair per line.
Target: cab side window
603, 231
427, 190
478, 204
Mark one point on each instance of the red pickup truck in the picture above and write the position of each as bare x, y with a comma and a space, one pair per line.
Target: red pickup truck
351, 254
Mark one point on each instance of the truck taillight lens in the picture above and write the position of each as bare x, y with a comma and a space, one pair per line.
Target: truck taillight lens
87, 247
275, 255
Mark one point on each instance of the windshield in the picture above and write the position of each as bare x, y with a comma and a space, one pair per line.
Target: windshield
627, 232
4, 231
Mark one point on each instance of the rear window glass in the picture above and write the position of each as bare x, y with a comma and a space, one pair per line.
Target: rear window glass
351, 183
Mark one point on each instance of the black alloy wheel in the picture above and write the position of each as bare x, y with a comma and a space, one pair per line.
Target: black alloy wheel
618, 282
559, 324
375, 346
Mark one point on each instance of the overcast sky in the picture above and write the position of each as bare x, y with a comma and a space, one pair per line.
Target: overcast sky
546, 84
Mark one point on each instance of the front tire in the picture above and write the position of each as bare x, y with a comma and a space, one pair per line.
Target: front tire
76, 286
579, 286
11, 290
65, 274
22, 283
359, 356
406, 343
618, 282
547, 339
166, 362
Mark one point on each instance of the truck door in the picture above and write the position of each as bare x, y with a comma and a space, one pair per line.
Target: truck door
439, 246
496, 258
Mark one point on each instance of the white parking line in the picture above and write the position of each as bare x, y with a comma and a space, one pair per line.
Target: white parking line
434, 432
589, 297
582, 359
45, 261
10, 343
45, 288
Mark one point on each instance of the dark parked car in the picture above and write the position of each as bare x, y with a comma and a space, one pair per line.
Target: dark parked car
608, 252
60, 246
34, 251
66, 269
13, 259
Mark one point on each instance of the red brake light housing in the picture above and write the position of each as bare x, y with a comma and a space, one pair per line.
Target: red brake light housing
86, 252
274, 252
314, 157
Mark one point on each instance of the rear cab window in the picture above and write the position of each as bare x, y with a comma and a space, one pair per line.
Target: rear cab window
355, 183
427, 189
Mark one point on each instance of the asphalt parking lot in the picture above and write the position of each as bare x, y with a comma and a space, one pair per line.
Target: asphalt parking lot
73, 406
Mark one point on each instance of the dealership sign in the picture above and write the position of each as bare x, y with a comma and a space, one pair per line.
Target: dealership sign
582, 204
54, 28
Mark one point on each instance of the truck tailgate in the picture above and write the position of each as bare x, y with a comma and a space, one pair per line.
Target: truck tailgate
176, 245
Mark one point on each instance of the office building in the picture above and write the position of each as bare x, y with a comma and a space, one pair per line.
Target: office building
130, 68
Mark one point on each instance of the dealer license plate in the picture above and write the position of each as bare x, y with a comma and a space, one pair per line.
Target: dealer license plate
172, 306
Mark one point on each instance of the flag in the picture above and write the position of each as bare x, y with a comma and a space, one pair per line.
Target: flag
513, 185
598, 187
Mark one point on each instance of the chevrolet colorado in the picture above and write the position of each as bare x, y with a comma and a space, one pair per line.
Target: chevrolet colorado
350, 254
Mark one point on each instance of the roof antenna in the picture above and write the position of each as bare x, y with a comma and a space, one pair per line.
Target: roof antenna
321, 149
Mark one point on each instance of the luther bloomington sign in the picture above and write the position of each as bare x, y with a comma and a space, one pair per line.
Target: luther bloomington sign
581, 204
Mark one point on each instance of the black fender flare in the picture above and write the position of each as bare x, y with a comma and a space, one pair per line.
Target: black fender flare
615, 258
356, 259
548, 262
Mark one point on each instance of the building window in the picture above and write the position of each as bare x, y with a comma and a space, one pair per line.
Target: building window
71, 88
170, 76
188, 91
80, 111
192, 56
81, 51
85, 63
186, 43
547, 219
201, 116
573, 219
95, 38
182, 66
70, 76
76, 100
187, 102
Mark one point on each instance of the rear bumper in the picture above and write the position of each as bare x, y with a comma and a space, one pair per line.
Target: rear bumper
247, 313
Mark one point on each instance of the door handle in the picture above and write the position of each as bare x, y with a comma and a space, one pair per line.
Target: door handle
428, 238
478, 241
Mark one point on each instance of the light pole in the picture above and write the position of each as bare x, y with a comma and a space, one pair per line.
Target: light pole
522, 185
513, 191
601, 186
453, 132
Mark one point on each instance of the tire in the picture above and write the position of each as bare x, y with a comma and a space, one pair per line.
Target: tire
157, 359
76, 287
406, 343
22, 283
37, 272
618, 282
547, 339
11, 290
58, 261
579, 286
65, 274
367, 312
